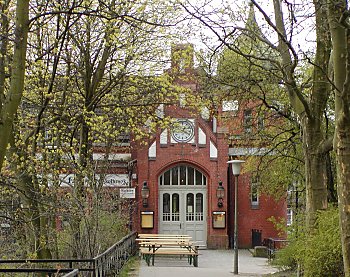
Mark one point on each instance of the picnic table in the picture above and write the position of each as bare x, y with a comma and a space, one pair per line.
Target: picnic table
167, 245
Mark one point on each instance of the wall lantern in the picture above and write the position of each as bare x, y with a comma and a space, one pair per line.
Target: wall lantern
145, 194
220, 194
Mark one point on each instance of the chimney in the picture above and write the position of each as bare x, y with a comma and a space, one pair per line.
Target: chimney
182, 58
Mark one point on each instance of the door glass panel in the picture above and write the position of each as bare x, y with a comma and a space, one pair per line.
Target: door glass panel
199, 207
175, 207
190, 176
174, 176
182, 175
190, 207
166, 207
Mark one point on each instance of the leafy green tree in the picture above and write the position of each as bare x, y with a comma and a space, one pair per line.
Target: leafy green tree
267, 61
310, 101
93, 77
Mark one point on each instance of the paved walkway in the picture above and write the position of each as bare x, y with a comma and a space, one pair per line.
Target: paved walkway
211, 263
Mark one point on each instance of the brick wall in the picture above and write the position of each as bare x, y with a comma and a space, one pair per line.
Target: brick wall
256, 217
216, 170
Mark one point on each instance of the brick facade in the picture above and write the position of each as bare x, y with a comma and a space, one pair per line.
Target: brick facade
169, 154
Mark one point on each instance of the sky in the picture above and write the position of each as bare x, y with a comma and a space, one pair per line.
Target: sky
231, 13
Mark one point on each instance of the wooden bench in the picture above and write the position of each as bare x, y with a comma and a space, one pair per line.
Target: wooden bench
167, 245
162, 236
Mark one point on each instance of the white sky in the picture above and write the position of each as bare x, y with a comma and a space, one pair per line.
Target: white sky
233, 13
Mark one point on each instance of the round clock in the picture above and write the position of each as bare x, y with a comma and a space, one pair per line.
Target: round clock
183, 130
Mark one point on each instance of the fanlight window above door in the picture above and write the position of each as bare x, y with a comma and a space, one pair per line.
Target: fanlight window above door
182, 175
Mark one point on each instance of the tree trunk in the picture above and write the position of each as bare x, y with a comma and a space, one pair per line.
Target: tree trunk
36, 218
315, 172
14, 95
343, 177
341, 60
4, 29
310, 111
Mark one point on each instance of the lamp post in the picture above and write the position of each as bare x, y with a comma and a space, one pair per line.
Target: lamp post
236, 169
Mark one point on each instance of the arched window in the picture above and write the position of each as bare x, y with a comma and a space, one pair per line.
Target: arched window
182, 175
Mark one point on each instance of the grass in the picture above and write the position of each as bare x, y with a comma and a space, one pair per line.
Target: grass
132, 265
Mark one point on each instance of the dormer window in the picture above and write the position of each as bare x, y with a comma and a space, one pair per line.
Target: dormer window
231, 106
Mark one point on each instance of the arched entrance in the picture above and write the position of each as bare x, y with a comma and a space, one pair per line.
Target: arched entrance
183, 203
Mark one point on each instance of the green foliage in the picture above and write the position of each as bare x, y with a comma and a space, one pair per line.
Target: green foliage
81, 92
280, 224
248, 74
278, 173
112, 228
99, 231
318, 253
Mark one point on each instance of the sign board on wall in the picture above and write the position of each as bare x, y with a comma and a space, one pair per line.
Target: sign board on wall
147, 220
219, 220
114, 180
110, 180
127, 193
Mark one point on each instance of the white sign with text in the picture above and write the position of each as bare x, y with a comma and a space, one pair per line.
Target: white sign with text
127, 193
110, 180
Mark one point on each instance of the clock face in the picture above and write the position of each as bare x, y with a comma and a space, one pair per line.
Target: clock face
182, 130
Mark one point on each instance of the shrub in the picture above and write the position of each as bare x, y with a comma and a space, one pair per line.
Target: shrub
318, 253
98, 232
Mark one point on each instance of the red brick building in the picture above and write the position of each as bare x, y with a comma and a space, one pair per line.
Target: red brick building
181, 168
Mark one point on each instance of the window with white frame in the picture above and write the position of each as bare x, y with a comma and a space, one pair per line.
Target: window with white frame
254, 192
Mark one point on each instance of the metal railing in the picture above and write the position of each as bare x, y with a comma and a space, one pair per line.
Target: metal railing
51, 267
273, 245
108, 263
113, 259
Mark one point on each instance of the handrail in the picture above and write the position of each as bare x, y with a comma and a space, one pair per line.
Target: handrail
273, 245
37, 261
110, 261
74, 273
113, 259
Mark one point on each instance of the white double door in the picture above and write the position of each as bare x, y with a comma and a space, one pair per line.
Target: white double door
183, 211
